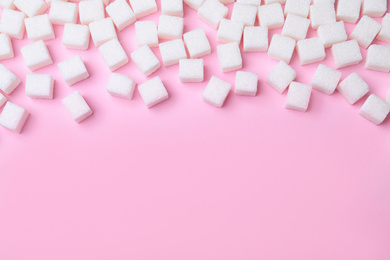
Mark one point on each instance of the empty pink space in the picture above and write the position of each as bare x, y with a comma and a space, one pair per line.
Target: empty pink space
185, 180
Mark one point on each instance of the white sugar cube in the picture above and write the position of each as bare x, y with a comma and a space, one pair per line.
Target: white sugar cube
295, 27
246, 83
145, 60
255, 39
73, 70
102, 31
12, 23
113, 54
332, 33
77, 106
153, 92
322, 13
353, 88
365, 31
170, 27
36, 55
297, 7
230, 31
7, 4
121, 14
13, 117
8, 80
348, 10
250, 2
90, 11
375, 109
211, 12
281, 76
39, 86
6, 49
197, 43
76, 36
326, 79
229, 56
172, 52
194, 4
143, 8
374, 8
39, 28
31, 7
244, 13
346, 54
63, 12
281, 48
378, 58
146, 33
3, 99
384, 34
298, 96
191, 70
121, 86
271, 16
216, 91
310, 50
172, 7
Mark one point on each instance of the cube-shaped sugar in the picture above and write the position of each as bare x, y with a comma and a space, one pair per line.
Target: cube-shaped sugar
211, 12
39, 86
250, 2
172, 51
172, 7
12, 23
384, 34
194, 4
246, 83
36, 55
77, 106
170, 27
146, 33
143, 8
230, 31
31, 7
332, 33
121, 86
310, 50
76, 36
191, 70
375, 109
63, 12
295, 27
353, 88
102, 31
39, 28
3, 99
348, 10
113, 54
90, 11
13, 117
322, 13
244, 13
73, 70
216, 91
271, 16
374, 8
153, 92
297, 7
6, 49
281, 76
298, 96
281, 48
229, 56
255, 39
121, 14
7, 4
326, 79
346, 54
197, 43
378, 58
8, 80
365, 31
145, 60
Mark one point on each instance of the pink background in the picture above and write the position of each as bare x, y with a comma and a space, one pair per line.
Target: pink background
185, 180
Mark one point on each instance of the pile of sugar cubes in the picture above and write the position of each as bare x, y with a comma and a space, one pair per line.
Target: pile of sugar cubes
245, 31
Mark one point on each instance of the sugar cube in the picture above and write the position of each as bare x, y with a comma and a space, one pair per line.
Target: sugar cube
170, 27
250, 2
31, 7
7, 4
281, 48
143, 8
172, 52
229, 56
77, 106
63, 12
12, 23
36, 55
297, 7
332, 33
194, 4
121, 86
102, 31
197, 43
90, 11
378, 58
13, 117
353, 88
39, 28
255, 39
3, 99
298, 96
211, 12
145, 60
365, 31
271, 16
346, 54
230, 31
244, 13
326, 79
216, 91
153, 92
172, 7
322, 13
246, 83
348, 10
281, 76
191, 70
113, 54
121, 14
8, 80
295, 27
146, 33
6, 49
75, 36
39, 86
310, 50
384, 34
73, 70
375, 109
374, 8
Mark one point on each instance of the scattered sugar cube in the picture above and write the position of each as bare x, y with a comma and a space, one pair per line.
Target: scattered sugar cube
378, 58
297, 7
146, 33
8, 80
346, 54
230, 31
353, 88
295, 27
36, 55
31, 7
90, 11
73, 70
113, 54
322, 13
281, 48
12, 23
246, 83
229, 56
121, 13
281, 76
153, 92
298, 96
77, 106
121, 86
63, 12
39, 28
375, 109
3, 99
102, 31
374, 8
191, 70
310, 50
6, 49
172, 52
7, 4
326, 79
332, 33
250, 2
194, 4
348, 10
13, 117
271, 16
75, 36
143, 8
39, 86
197, 43
365, 31
172, 7
384, 34
216, 91
244, 13
211, 12
255, 39
170, 27
145, 60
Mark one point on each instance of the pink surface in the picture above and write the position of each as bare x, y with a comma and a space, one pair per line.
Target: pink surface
185, 180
